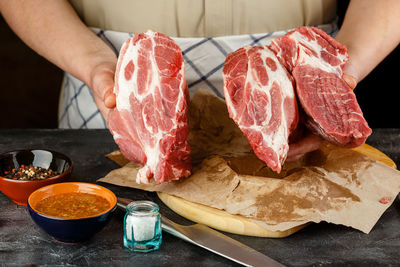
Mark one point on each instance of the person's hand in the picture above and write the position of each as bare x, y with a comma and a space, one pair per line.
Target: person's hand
350, 74
102, 84
309, 142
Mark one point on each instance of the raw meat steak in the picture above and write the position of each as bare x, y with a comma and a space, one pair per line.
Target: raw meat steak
149, 123
316, 60
261, 100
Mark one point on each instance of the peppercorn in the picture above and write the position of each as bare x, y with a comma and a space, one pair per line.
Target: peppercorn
30, 172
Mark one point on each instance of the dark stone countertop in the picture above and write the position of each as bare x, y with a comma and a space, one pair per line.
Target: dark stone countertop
23, 243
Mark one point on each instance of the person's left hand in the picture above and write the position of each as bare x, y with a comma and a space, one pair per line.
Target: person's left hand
350, 74
309, 142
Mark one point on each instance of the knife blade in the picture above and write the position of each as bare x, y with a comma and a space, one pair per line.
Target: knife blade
212, 240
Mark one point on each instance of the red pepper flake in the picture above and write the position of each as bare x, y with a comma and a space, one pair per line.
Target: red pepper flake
384, 200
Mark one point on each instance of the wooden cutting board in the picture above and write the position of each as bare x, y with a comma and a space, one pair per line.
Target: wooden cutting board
236, 224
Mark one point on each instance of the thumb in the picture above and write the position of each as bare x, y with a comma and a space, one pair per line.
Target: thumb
350, 80
110, 99
350, 75
103, 86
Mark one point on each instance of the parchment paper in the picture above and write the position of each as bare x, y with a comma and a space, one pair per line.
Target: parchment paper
332, 184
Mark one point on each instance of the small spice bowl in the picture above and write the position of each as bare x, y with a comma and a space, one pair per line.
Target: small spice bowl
71, 230
19, 190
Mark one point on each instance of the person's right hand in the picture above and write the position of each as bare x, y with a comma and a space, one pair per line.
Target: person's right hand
74, 48
102, 84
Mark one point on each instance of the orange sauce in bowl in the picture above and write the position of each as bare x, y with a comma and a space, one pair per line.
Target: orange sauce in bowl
74, 205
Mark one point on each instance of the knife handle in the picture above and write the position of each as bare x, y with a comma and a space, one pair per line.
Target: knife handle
123, 202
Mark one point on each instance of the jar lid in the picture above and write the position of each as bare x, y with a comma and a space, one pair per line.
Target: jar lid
142, 208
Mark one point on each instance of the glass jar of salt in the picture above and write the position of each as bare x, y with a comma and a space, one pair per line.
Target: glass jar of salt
142, 226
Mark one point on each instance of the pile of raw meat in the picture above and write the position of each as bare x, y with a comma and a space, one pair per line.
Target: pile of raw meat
264, 84
270, 91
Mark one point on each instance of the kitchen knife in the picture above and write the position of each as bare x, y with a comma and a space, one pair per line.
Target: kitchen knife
212, 240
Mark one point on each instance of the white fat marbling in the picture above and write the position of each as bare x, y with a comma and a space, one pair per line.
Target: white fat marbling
126, 88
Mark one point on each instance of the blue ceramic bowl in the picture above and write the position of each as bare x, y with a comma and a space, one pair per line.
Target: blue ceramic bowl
71, 230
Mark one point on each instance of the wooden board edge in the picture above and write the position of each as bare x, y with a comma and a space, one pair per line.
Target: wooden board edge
219, 219
375, 154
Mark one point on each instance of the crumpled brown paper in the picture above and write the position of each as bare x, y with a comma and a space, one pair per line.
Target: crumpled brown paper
332, 184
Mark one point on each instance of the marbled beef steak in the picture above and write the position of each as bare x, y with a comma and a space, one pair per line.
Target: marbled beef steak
316, 62
149, 123
261, 100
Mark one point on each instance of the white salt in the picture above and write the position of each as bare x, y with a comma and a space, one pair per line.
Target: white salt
143, 227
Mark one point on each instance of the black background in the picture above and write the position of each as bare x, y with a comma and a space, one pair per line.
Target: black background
30, 86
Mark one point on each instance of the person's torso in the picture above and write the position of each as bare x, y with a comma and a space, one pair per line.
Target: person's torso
204, 18
205, 30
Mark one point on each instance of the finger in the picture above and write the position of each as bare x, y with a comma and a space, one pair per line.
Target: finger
294, 158
350, 74
307, 144
102, 108
350, 80
110, 99
103, 87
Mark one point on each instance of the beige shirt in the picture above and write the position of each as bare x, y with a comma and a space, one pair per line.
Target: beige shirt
204, 18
